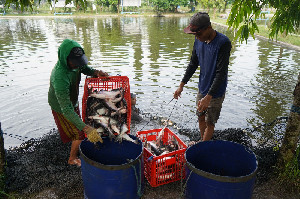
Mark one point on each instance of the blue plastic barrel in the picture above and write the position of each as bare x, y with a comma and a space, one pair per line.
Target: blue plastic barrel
112, 170
219, 170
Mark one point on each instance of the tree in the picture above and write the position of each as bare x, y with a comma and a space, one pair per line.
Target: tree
286, 20
216, 4
175, 3
160, 6
106, 3
244, 13
207, 4
227, 2
30, 3
192, 4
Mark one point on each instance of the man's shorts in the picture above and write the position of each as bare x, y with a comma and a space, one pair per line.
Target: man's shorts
68, 131
213, 111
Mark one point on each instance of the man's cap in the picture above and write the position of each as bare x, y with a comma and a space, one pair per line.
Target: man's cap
77, 57
198, 21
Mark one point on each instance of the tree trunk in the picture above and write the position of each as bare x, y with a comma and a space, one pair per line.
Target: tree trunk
289, 145
215, 10
2, 152
224, 10
2, 164
118, 7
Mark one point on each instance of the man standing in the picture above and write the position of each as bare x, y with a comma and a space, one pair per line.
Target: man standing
63, 96
211, 52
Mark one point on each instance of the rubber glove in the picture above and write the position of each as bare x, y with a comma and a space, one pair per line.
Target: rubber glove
92, 134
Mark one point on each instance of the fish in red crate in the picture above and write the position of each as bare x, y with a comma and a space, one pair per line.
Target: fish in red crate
159, 148
107, 112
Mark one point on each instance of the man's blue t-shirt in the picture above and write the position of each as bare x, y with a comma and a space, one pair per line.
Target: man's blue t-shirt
207, 57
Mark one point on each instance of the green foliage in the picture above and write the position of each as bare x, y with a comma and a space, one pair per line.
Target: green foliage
206, 3
244, 14
160, 6
193, 3
103, 3
175, 3
277, 146
291, 172
216, 4
287, 18
20, 4
112, 4
23, 4
2, 186
219, 4
108, 3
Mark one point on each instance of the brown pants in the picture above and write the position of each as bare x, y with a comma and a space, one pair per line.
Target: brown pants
213, 111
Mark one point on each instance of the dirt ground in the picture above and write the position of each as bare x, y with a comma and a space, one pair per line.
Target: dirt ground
268, 190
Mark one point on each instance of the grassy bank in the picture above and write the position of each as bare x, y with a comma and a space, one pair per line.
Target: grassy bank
292, 39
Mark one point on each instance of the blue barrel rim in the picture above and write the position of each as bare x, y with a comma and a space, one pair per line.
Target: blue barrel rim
112, 167
220, 178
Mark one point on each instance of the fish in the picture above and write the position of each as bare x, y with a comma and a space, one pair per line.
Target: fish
124, 136
107, 112
159, 136
159, 148
116, 94
110, 105
155, 149
100, 130
120, 111
111, 135
124, 128
103, 119
115, 129
103, 111
93, 104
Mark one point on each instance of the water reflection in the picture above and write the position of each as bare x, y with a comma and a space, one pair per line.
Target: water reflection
153, 52
274, 82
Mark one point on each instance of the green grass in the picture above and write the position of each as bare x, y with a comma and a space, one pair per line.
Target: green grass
293, 39
2, 187
291, 174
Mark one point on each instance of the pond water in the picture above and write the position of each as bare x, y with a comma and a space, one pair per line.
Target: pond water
153, 52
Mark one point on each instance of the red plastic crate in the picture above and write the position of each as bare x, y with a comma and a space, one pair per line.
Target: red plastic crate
165, 168
107, 84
